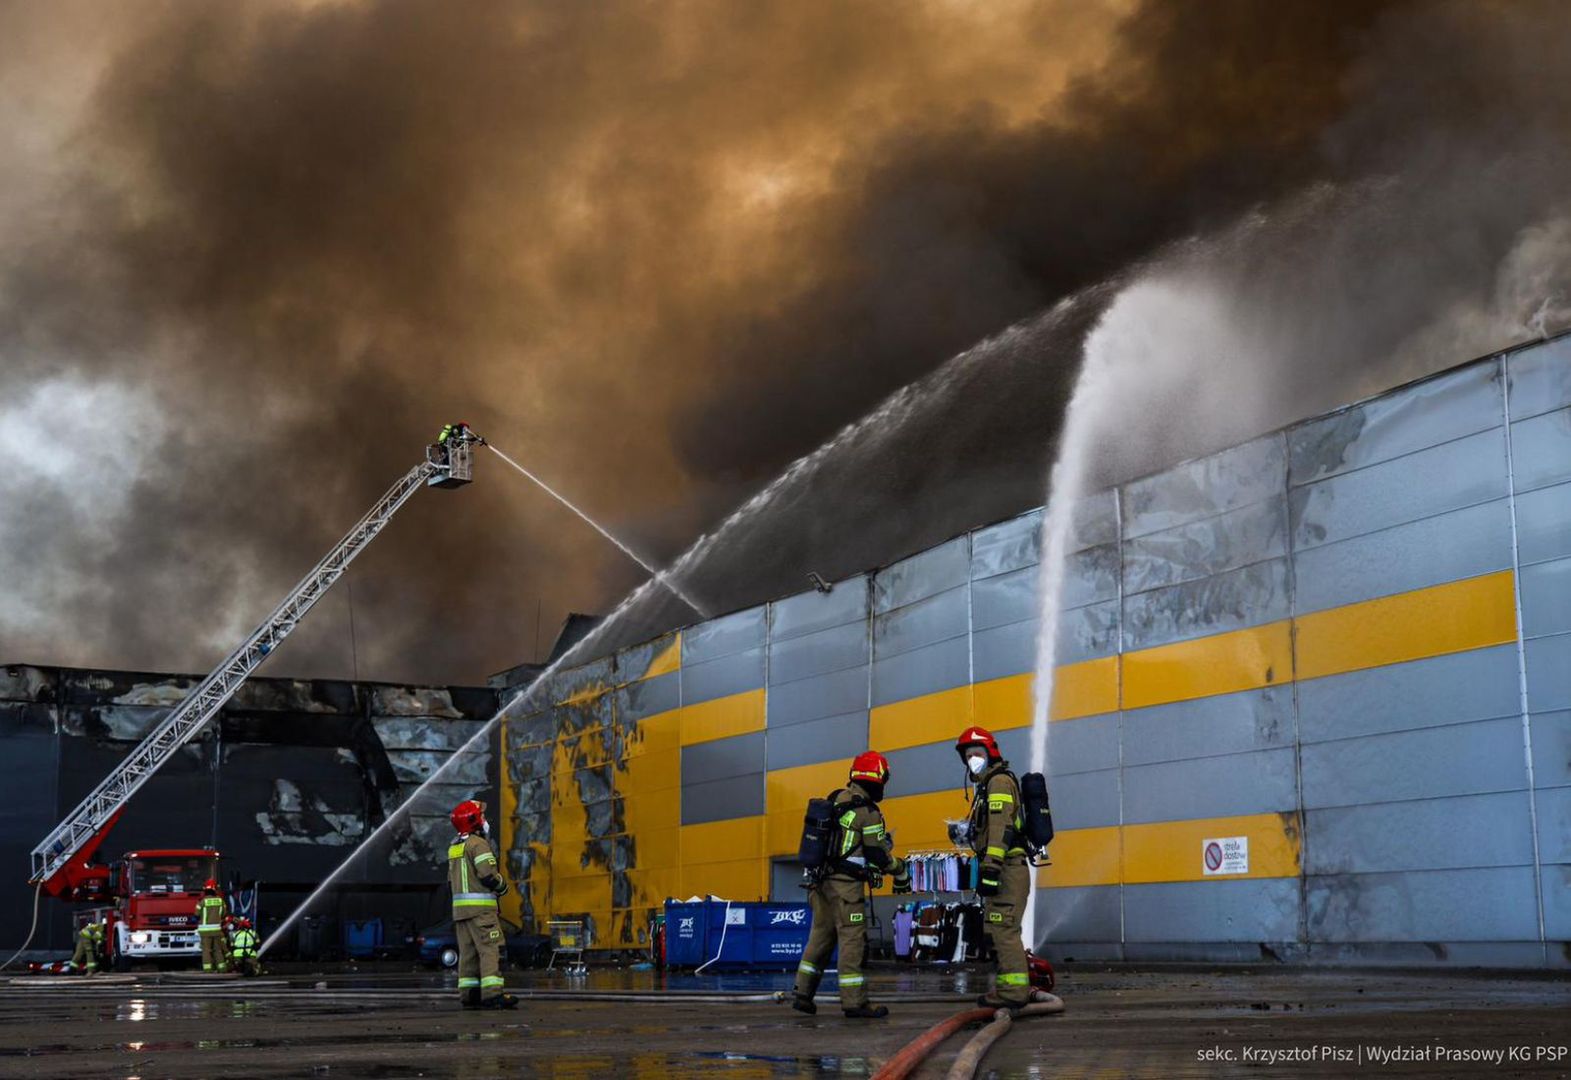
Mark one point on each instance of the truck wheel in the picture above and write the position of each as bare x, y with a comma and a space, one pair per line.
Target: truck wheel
120, 962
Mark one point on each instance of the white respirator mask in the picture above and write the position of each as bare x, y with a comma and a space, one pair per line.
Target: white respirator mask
976, 764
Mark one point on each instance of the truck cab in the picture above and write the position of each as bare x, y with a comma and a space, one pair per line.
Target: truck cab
154, 893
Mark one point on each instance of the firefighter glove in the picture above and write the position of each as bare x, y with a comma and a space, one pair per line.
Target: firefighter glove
988, 879
902, 882
501, 887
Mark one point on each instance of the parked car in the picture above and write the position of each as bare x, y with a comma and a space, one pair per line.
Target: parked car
437, 946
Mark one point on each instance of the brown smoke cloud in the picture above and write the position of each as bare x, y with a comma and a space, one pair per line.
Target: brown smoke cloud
256, 254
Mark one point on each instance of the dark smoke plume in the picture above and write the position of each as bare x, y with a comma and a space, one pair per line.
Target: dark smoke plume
256, 254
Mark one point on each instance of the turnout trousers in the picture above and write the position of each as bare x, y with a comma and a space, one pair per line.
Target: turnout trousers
1002, 915
839, 908
479, 954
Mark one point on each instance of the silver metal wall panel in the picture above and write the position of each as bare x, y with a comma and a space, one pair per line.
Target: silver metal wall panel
640, 699
834, 694
1089, 575
1250, 596
1094, 520
1412, 418
806, 612
1204, 488
1092, 913
1546, 598
1086, 800
933, 571
1540, 378
1557, 903
723, 677
1541, 450
926, 622
1543, 524
1495, 904
818, 653
916, 770
721, 800
1449, 547
720, 758
827, 739
1249, 534
1207, 727
1255, 783
1085, 633
1404, 489
1551, 750
1463, 759
1476, 685
728, 634
1014, 744
1004, 599
924, 671
1084, 744
1009, 545
1423, 834
1554, 824
1548, 673
1254, 909
1004, 651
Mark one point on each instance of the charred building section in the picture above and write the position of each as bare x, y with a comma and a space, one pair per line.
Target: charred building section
287, 783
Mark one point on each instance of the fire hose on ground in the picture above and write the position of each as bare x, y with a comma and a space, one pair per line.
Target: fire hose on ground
997, 1024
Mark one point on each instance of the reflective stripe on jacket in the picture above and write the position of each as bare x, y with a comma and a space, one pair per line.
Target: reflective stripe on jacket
211, 911
472, 875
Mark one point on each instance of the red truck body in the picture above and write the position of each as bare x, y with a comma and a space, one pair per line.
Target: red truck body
152, 896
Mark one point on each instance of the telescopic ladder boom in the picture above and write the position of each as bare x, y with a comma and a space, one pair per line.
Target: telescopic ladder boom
444, 467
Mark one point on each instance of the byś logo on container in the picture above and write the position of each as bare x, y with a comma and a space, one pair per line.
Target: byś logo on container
795, 918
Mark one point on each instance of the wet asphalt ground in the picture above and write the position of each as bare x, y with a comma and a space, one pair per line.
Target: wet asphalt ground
389, 1022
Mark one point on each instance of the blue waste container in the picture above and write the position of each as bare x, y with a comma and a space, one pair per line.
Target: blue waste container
739, 936
362, 937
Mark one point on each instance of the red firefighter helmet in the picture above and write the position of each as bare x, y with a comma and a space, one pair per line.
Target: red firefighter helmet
210, 886
243, 923
468, 816
871, 766
978, 736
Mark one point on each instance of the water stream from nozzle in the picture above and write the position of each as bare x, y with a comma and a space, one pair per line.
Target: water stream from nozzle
656, 574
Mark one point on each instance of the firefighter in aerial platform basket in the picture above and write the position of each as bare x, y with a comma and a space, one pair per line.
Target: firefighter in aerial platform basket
477, 883
211, 915
845, 847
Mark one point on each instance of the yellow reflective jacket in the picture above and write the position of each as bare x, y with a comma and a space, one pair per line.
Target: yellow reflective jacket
472, 875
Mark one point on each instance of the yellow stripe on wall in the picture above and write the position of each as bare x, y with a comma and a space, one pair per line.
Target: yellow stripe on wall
1085, 689
1171, 851
669, 660
734, 715
1449, 618
1200, 667
919, 720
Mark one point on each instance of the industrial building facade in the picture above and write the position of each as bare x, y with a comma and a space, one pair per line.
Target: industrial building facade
1312, 701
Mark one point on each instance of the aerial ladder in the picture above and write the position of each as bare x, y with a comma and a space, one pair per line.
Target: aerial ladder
61, 861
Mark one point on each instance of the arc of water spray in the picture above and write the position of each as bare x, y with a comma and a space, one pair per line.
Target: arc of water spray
655, 573
520, 699
890, 414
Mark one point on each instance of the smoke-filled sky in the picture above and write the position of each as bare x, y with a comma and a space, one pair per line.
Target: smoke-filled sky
252, 256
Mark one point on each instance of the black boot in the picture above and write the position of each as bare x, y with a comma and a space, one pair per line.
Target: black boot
988, 1001
501, 1001
867, 1012
803, 1004
471, 997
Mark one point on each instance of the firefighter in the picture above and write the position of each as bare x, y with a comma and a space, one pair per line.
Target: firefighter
860, 854
211, 912
89, 943
1004, 881
243, 947
477, 883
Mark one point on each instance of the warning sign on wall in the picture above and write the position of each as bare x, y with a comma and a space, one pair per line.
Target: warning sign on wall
1225, 855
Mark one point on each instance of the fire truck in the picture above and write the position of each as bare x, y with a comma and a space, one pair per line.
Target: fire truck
151, 894
147, 900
